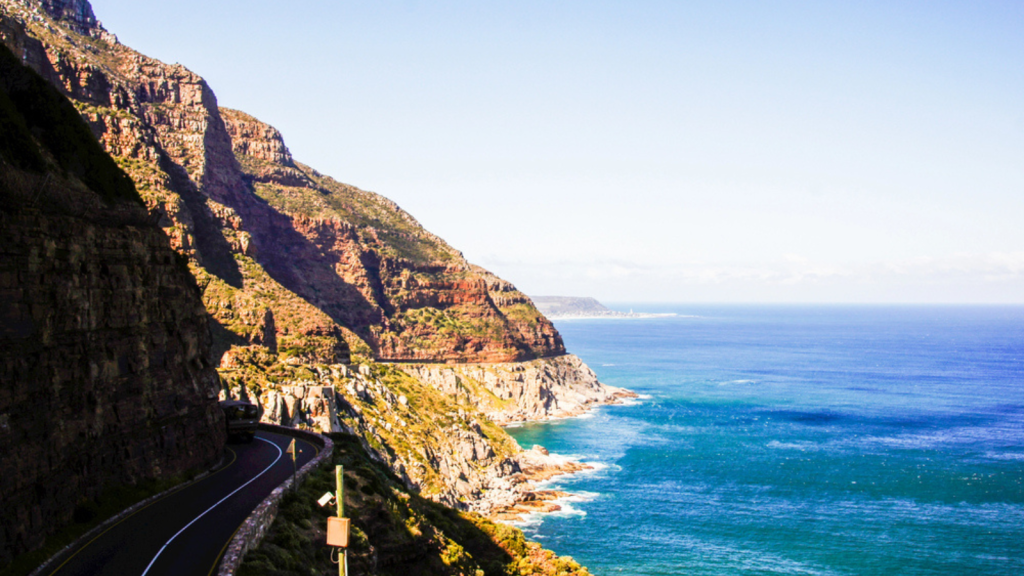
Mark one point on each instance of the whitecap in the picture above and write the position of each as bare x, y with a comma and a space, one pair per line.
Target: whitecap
803, 446
1004, 455
582, 496
530, 521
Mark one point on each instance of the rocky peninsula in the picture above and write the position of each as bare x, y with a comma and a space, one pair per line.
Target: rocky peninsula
564, 307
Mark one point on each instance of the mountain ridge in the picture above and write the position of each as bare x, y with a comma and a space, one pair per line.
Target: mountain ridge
353, 254
310, 285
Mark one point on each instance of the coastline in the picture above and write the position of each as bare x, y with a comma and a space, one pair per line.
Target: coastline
616, 316
538, 467
620, 397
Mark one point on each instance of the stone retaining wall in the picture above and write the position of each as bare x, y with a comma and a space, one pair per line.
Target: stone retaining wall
255, 527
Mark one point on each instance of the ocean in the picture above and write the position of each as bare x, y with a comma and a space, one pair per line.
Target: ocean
832, 440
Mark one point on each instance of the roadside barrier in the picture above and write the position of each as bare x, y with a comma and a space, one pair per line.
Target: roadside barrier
252, 531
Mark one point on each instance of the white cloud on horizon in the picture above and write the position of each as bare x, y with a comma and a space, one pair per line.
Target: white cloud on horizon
961, 277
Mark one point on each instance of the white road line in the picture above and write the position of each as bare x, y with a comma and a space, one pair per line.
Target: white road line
279, 454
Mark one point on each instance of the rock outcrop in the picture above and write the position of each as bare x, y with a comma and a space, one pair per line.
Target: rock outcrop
518, 391
104, 340
446, 452
424, 422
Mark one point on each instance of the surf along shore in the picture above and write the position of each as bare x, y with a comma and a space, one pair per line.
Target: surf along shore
538, 466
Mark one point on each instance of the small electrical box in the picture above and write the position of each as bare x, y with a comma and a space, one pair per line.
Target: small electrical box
337, 531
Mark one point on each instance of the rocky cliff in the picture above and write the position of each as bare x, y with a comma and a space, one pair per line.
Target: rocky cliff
301, 275
435, 426
104, 342
520, 391
261, 226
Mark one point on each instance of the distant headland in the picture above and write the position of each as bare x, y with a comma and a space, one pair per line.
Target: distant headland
561, 307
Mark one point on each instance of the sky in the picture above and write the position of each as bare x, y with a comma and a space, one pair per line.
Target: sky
720, 151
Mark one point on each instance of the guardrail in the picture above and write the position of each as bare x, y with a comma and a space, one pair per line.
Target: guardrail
252, 531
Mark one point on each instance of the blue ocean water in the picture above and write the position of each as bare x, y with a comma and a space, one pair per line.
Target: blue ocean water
860, 440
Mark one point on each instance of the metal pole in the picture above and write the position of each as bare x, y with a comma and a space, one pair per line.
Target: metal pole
339, 472
339, 479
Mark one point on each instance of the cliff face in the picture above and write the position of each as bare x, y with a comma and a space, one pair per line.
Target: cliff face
301, 274
444, 451
104, 376
255, 221
402, 289
520, 391
424, 423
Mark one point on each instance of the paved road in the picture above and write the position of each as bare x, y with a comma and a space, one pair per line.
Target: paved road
185, 533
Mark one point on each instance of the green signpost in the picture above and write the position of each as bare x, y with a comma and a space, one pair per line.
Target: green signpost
339, 478
338, 526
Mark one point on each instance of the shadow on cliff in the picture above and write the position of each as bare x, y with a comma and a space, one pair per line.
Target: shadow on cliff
307, 270
98, 309
215, 252
223, 340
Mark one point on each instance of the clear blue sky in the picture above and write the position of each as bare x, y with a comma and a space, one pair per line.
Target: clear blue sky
652, 151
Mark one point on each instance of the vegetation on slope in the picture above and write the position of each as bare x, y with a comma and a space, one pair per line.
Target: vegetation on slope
414, 428
393, 531
294, 188
161, 124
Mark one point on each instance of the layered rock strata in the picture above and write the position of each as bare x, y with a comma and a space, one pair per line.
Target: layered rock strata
301, 274
104, 375
260, 226
519, 391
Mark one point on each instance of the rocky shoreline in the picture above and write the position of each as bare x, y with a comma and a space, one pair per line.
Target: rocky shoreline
514, 392
537, 465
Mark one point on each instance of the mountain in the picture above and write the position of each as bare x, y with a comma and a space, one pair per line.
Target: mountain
328, 304
569, 306
559, 307
261, 228
105, 377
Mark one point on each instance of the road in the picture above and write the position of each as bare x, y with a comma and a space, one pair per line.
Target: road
186, 532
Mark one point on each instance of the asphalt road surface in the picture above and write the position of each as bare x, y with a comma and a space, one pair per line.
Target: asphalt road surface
186, 532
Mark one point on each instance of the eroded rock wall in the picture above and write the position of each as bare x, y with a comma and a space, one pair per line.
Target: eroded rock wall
103, 368
433, 424
263, 228
519, 391
448, 453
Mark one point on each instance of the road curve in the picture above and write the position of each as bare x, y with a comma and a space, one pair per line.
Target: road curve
185, 532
